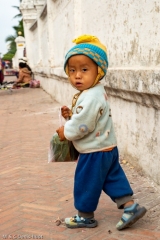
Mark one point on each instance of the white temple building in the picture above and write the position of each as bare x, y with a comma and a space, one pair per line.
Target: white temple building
130, 30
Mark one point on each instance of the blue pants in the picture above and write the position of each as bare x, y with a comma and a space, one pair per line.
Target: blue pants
96, 172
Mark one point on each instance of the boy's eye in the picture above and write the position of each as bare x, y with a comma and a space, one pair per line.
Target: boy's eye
84, 69
71, 70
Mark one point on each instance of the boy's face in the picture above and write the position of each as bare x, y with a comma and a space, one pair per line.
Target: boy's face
82, 71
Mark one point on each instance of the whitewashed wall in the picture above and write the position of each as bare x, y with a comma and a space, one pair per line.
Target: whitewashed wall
130, 30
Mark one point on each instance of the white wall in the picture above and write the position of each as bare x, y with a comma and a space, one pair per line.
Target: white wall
130, 30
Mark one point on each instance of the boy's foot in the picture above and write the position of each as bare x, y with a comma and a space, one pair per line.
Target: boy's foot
131, 215
80, 222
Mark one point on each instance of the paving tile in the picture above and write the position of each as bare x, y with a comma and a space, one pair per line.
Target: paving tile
34, 193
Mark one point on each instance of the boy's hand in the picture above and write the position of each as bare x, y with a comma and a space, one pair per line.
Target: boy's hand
60, 132
66, 112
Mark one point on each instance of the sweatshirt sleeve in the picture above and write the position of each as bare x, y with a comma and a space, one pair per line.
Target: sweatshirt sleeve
84, 120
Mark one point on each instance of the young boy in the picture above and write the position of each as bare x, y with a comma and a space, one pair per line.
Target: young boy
90, 128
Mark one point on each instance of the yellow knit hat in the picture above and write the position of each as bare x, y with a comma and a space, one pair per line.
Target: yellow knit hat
91, 47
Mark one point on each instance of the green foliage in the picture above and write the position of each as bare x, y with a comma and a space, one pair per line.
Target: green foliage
8, 56
19, 28
11, 38
19, 15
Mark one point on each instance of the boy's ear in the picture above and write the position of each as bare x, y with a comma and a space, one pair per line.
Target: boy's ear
66, 70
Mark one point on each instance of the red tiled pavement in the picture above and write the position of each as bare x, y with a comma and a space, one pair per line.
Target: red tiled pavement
34, 193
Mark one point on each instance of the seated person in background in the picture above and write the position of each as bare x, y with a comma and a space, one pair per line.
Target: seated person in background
25, 75
24, 60
2, 66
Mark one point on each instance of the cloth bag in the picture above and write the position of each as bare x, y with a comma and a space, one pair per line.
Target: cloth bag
61, 151
34, 83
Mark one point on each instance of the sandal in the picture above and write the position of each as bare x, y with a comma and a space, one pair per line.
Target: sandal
80, 222
131, 215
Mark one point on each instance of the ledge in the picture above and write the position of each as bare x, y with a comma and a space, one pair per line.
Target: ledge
34, 26
147, 100
43, 13
134, 80
53, 76
140, 86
